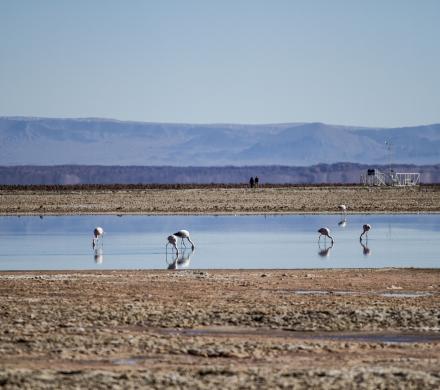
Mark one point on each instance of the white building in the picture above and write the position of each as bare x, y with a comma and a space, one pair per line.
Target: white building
373, 177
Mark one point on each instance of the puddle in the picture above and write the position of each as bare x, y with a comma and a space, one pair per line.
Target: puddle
402, 294
405, 294
370, 337
324, 292
389, 338
310, 292
222, 242
126, 362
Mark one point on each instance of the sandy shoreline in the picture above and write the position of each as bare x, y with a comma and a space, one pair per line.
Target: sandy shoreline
219, 200
228, 329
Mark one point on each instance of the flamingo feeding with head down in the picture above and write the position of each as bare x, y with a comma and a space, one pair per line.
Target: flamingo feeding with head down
172, 240
325, 231
366, 228
184, 234
98, 233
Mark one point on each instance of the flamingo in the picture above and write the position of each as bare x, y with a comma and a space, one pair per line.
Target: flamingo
366, 229
98, 232
173, 241
184, 234
343, 209
325, 231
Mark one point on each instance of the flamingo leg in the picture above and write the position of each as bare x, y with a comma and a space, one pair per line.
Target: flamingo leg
192, 244
173, 245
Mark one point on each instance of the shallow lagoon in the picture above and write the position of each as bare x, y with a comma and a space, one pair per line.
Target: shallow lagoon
256, 241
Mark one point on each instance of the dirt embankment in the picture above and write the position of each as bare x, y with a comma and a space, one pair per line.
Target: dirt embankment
212, 329
215, 199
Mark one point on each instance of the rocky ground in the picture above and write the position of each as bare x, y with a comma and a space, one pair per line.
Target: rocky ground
220, 329
215, 199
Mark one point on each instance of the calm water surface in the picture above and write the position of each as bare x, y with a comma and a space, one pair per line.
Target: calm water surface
287, 241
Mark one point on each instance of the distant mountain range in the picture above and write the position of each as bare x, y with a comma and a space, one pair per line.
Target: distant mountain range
45, 141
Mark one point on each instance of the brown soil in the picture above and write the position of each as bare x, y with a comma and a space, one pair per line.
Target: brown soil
220, 329
215, 199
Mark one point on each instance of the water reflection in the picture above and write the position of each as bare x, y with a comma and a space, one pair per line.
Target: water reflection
173, 263
98, 255
181, 260
324, 250
343, 223
365, 250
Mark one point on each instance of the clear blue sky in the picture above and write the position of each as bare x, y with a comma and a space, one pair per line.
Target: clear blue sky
372, 63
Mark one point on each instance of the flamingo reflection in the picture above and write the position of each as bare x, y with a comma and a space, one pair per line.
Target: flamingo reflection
324, 251
365, 250
98, 256
180, 261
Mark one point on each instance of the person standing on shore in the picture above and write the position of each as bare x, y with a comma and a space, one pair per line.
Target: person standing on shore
251, 182
257, 180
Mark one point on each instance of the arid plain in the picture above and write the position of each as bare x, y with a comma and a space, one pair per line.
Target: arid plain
356, 328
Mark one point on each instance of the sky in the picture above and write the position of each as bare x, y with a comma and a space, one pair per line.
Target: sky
352, 62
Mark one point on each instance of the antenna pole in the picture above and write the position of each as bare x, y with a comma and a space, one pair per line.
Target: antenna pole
388, 143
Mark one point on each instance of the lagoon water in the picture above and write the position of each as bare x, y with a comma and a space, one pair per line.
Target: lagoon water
257, 241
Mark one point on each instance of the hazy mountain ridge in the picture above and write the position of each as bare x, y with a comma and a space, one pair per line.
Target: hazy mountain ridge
92, 141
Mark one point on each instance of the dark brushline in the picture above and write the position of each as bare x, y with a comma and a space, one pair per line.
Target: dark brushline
117, 187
